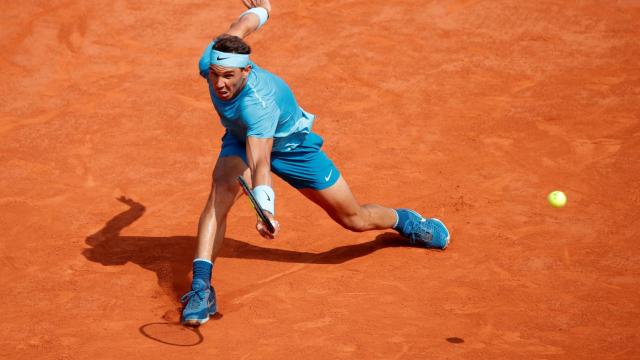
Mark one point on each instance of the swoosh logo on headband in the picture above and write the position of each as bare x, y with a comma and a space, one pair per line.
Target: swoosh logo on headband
219, 58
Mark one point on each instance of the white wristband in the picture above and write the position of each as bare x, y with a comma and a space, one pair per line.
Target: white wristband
260, 12
265, 197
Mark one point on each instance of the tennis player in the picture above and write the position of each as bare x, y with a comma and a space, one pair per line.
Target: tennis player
267, 131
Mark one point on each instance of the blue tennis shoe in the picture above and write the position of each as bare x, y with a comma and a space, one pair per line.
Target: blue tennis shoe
199, 303
424, 232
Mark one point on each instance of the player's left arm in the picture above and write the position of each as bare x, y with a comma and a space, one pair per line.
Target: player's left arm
248, 23
259, 158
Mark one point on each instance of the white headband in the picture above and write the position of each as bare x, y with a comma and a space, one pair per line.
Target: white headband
228, 59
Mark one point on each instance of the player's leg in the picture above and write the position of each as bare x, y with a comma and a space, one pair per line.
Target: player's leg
200, 301
309, 169
225, 190
340, 204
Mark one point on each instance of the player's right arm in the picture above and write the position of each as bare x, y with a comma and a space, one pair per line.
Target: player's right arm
260, 113
247, 24
259, 158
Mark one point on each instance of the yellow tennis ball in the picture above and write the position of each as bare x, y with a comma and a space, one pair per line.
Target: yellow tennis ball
557, 199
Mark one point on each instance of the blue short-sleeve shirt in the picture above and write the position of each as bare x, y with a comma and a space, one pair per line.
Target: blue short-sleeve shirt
264, 108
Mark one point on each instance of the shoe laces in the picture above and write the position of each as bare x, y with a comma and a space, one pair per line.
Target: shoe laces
196, 296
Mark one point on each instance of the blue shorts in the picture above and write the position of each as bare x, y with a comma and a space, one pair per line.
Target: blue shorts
305, 167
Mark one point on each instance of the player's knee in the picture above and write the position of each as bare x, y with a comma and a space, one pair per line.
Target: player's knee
222, 195
353, 222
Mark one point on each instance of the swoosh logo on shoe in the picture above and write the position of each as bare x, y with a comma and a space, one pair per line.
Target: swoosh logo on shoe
268, 198
219, 58
326, 178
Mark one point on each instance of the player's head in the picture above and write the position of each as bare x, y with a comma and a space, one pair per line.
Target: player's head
228, 72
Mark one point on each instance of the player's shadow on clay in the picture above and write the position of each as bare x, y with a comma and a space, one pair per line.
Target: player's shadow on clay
170, 257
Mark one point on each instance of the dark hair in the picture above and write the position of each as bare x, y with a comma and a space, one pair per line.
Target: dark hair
231, 44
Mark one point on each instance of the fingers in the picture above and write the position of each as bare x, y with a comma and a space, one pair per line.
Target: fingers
276, 226
264, 231
255, 3
250, 3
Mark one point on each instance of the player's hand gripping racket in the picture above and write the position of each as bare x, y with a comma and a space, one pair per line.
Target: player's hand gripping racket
259, 211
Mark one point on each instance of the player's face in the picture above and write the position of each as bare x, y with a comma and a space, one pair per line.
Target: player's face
227, 81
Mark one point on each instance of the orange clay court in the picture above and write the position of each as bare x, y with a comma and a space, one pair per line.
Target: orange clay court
469, 111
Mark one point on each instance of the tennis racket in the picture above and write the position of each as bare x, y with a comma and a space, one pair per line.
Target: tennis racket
259, 211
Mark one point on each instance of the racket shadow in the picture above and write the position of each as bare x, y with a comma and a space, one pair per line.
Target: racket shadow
170, 257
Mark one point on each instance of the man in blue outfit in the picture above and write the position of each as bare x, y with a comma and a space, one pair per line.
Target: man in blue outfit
267, 131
